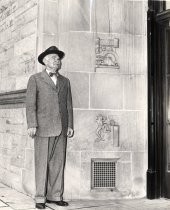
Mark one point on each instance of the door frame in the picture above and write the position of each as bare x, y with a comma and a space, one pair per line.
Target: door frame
156, 23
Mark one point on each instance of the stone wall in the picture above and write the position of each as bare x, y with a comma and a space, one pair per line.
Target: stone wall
116, 94
18, 32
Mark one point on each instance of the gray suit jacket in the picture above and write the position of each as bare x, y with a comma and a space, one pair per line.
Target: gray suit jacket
49, 108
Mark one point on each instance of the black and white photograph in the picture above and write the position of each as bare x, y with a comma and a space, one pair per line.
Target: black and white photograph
85, 104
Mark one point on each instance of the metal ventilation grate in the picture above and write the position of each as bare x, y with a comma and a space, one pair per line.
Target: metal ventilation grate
103, 173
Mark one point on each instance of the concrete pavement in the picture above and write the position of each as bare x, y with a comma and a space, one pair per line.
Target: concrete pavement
10, 199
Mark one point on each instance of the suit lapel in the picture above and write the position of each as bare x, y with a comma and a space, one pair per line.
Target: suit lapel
60, 82
47, 79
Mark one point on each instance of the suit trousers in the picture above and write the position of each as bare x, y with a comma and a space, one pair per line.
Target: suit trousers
50, 155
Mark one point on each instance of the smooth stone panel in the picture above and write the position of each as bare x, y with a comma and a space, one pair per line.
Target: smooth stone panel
8, 84
106, 91
135, 92
64, 16
50, 40
140, 128
80, 89
28, 182
21, 82
80, 51
29, 29
139, 168
51, 17
128, 17
140, 54
79, 11
135, 13
140, 9
29, 159
25, 45
84, 131
107, 16
120, 156
124, 177
72, 175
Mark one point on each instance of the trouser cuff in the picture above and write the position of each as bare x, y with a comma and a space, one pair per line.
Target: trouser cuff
40, 199
56, 198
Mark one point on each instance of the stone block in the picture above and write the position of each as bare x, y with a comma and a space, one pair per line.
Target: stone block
131, 135
106, 91
28, 182
16, 129
79, 12
140, 54
50, 40
85, 183
80, 89
5, 35
22, 65
133, 9
19, 141
12, 180
6, 54
7, 140
135, 92
84, 127
123, 177
131, 130
30, 143
25, 15
79, 49
64, 16
18, 157
16, 113
139, 168
120, 156
111, 19
72, 175
25, 45
51, 17
140, 10
5, 159
21, 82
4, 70
140, 130
3, 125
128, 16
8, 84
28, 29
29, 159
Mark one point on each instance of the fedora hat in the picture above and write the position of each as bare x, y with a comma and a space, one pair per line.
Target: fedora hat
50, 50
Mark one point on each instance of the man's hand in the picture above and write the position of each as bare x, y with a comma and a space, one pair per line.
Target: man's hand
70, 132
31, 132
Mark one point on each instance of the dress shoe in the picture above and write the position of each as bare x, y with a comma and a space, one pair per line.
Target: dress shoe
40, 205
59, 203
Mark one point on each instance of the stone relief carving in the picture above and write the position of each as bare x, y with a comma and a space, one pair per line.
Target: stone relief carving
28, 61
106, 55
107, 129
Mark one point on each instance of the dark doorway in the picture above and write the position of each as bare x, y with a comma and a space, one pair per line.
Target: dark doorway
158, 174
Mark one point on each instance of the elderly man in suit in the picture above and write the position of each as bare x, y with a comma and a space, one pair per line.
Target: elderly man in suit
50, 121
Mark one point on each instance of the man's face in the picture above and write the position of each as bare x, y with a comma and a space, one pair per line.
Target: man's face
52, 61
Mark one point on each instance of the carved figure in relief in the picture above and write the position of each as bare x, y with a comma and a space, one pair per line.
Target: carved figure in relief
107, 129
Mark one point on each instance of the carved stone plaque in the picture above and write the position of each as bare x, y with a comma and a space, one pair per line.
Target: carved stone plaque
107, 130
106, 55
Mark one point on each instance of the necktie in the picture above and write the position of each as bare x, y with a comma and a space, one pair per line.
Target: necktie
52, 74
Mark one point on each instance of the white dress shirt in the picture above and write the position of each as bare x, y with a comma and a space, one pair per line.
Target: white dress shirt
54, 77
